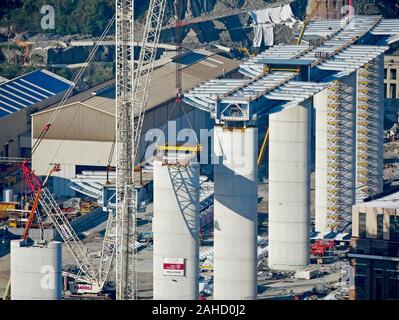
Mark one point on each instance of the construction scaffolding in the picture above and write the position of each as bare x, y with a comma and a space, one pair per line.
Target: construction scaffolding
369, 132
345, 47
340, 115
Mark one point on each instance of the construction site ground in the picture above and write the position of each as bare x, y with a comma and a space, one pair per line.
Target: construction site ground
271, 285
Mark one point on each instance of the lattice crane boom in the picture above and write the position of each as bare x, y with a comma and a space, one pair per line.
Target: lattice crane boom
62, 225
132, 95
145, 67
125, 213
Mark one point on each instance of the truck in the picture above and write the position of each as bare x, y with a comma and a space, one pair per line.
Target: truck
321, 247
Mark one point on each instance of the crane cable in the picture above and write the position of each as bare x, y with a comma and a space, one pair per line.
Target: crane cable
68, 93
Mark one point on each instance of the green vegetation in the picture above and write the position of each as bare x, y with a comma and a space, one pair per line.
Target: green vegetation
96, 73
9, 5
71, 16
100, 72
11, 71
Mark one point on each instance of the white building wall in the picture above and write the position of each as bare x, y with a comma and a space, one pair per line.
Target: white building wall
69, 154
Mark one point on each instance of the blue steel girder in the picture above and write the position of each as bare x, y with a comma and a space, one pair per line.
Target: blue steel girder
346, 62
342, 52
236, 100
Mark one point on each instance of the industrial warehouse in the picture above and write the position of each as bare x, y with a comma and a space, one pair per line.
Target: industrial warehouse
207, 172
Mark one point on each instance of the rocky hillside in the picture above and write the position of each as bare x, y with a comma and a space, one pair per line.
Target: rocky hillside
91, 16
387, 8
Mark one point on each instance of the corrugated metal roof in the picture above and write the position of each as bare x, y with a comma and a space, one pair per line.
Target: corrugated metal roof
72, 123
390, 202
30, 89
163, 85
2, 79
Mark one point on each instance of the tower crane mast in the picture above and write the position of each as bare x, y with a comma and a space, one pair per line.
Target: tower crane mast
125, 202
132, 86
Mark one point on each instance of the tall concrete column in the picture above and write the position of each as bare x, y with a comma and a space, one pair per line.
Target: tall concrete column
335, 154
175, 228
289, 188
321, 194
36, 271
370, 129
235, 233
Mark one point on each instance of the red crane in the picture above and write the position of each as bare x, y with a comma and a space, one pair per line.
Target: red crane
35, 187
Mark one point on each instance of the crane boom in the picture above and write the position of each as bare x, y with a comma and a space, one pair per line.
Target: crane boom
131, 99
125, 213
108, 250
61, 223
145, 68
70, 237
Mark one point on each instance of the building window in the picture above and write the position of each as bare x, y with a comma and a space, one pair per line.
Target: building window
394, 74
393, 91
378, 284
394, 228
360, 284
393, 285
380, 226
362, 225
385, 73
25, 152
361, 269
